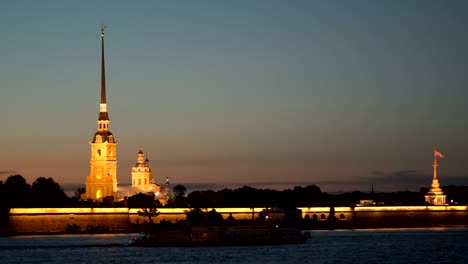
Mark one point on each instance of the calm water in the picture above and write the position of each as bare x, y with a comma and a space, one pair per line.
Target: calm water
363, 246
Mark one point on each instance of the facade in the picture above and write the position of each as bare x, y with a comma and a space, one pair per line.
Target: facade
142, 178
435, 195
102, 179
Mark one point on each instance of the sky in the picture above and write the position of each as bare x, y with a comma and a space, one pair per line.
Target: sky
270, 93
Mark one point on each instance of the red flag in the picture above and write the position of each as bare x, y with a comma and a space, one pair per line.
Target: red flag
438, 154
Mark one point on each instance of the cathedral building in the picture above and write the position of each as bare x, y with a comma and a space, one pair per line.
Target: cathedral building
102, 179
142, 178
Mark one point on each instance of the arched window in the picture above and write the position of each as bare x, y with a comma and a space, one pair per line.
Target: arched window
99, 174
314, 217
139, 181
342, 216
133, 181
322, 217
99, 152
98, 194
145, 181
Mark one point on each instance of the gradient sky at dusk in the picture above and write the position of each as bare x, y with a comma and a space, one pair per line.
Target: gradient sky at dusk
342, 94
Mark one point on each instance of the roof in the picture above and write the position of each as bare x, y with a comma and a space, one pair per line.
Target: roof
103, 116
106, 136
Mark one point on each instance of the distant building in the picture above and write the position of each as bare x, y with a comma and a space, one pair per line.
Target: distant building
142, 180
435, 195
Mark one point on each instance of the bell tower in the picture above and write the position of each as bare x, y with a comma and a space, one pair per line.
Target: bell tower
102, 179
141, 174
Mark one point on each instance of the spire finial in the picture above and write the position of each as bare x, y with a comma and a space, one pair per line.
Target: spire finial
103, 28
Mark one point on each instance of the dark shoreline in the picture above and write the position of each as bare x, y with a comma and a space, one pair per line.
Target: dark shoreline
140, 231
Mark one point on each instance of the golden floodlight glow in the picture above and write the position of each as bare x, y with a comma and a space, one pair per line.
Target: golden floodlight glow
324, 209
411, 208
305, 210
16, 211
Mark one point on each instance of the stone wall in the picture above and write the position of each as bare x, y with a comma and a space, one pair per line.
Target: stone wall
26, 220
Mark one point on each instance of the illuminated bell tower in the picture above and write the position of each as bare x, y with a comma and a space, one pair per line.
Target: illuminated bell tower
435, 195
102, 179
141, 174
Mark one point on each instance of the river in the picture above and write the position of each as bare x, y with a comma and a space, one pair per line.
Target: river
429, 245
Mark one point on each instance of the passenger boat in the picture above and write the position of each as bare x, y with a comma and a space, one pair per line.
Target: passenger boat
223, 236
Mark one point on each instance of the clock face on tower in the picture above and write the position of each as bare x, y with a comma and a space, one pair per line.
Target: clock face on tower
98, 138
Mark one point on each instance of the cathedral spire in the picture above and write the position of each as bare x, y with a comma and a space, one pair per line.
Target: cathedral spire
103, 115
103, 72
101, 181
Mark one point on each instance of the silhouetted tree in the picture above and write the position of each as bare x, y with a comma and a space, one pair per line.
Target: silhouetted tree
17, 191
47, 192
4, 205
214, 218
202, 199
196, 217
179, 190
79, 192
147, 204
179, 199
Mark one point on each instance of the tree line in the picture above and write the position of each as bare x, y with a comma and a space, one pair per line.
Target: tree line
45, 192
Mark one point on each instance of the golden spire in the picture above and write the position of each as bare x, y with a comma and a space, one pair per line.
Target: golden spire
103, 28
103, 73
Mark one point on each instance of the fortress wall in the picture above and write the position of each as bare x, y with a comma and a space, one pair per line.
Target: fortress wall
322, 213
58, 222
56, 219
24, 220
410, 218
177, 214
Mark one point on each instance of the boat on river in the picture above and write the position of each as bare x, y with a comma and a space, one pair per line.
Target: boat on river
223, 236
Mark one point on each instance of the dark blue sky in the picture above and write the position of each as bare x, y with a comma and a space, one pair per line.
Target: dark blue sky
337, 93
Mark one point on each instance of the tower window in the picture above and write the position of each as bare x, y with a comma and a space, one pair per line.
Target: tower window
145, 181
98, 194
99, 152
99, 174
139, 181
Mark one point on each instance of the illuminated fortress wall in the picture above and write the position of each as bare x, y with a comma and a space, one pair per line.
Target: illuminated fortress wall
417, 216
56, 219
122, 219
112, 219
